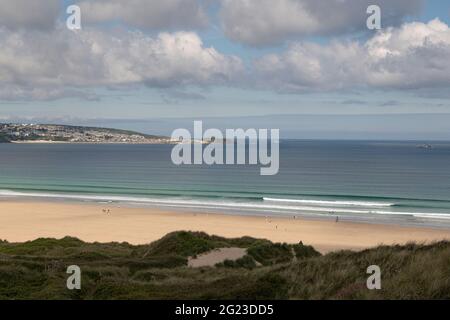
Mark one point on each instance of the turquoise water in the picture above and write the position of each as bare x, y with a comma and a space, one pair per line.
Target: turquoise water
388, 182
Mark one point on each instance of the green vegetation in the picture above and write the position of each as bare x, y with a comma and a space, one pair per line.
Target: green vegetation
111, 130
35, 137
4, 138
37, 270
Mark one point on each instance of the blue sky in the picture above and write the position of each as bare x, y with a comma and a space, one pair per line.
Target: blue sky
217, 59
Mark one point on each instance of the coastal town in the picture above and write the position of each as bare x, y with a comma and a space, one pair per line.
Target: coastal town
21, 133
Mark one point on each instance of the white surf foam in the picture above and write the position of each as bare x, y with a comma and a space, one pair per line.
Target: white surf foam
215, 204
331, 203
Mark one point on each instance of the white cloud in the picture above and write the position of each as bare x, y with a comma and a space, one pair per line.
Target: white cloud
37, 65
413, 56
267, 22
149, 14
60, 63
23, 14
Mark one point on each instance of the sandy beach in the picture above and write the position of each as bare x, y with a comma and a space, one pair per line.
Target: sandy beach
26, 220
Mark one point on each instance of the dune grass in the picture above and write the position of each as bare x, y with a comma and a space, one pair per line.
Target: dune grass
37, 270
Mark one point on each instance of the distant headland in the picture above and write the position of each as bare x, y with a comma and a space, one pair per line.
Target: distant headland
53, 133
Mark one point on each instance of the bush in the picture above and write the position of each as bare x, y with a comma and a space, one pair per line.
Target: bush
246, 262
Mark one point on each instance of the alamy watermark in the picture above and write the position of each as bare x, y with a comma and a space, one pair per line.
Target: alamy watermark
73, 21
74, 280
213, 147
374, 20
374, 280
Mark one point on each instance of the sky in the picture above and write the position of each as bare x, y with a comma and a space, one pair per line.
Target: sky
150, 65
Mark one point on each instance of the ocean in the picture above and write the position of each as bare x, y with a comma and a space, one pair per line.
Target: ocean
361, 181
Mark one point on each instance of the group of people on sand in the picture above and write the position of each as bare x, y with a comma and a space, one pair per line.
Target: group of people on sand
107, 211
295, 217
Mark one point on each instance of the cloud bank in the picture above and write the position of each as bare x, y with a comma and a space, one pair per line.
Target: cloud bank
37, 65
40, 59
413, 56
267, 22
26, 14
147, 14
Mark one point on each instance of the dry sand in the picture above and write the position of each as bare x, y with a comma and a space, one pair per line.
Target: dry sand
25, 220
214, 257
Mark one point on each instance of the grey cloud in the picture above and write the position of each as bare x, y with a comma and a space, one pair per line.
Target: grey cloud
267, 22
353, 102
13, 93
29, 14
390, 103
148, 14
183, 95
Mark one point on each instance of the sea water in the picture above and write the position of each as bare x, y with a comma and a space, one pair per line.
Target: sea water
385, 182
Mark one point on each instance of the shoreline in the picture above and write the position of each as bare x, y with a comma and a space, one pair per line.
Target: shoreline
22, 221
104, 142
400, 219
